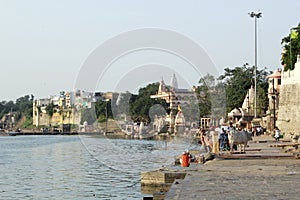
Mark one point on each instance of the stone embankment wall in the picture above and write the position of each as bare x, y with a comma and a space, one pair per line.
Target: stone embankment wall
43, 119
289, 103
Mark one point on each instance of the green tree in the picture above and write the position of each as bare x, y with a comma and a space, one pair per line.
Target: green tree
212, 97
139, 105
190, 110
50, 109
203, 92
24, 105
7, 107
100, 110
237, 81
291, 45
218, 101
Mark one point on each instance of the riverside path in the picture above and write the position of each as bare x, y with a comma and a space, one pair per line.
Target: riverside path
264, 172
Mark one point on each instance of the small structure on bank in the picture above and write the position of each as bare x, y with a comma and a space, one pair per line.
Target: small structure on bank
274, 83
240, 117
175, 98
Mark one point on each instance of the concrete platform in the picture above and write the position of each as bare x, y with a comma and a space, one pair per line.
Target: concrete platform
262, 173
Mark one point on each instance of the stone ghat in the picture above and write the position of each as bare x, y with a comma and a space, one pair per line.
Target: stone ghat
266, 164
157, 183
240, 179
157, 178
265, 171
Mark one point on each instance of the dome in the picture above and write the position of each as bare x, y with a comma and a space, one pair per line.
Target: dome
235, 111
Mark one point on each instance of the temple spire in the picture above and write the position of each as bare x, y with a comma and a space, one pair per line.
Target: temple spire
174, 83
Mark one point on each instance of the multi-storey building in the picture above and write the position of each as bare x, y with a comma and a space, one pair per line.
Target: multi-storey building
65, 108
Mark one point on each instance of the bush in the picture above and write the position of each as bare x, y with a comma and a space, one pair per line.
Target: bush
27, 123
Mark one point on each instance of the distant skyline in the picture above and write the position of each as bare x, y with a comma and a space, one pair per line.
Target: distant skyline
45, 44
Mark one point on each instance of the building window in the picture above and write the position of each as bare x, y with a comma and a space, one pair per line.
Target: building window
279, 81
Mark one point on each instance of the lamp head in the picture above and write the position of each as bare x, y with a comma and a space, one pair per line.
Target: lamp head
257, 15
252, 14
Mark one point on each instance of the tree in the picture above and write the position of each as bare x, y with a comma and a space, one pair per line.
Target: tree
218, 101
100, 109
50, 109
237, 81
7, 107
204, 94
291, 46
139, 105
24, 105
212, 97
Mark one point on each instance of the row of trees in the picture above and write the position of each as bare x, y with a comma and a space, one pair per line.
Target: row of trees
218, 96
22, 107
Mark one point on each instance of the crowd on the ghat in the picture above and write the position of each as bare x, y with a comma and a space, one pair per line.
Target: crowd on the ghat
223, 132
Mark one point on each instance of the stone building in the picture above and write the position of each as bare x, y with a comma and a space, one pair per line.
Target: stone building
175, 97
289, 105
67, 108
274, 84
62, 113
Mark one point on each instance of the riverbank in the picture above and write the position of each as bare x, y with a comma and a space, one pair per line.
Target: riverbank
264, 172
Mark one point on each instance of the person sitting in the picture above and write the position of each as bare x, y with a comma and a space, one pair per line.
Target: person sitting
277, 134
185, 159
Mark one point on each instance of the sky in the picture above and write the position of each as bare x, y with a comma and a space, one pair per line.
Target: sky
50, 46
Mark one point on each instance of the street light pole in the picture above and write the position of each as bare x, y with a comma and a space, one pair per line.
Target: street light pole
256, 16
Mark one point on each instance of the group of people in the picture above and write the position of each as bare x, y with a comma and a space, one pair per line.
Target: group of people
223, 131
223, 136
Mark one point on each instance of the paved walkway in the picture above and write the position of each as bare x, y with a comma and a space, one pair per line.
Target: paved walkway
266, 173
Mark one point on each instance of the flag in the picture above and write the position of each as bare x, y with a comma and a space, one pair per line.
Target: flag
179, 108
294, 34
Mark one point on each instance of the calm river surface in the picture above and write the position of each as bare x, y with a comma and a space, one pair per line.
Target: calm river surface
79, 167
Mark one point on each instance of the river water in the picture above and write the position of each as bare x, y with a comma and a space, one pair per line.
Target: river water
80, 167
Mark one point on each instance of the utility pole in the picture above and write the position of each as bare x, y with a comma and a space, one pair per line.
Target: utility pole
255, 16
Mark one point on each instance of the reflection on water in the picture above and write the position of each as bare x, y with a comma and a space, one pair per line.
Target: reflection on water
79, 167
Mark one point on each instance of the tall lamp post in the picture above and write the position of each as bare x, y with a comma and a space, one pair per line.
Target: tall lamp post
255, 16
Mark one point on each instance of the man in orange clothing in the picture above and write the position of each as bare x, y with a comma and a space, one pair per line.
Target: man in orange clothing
185, 160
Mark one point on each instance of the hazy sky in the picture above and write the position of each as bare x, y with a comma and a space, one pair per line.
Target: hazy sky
44, 44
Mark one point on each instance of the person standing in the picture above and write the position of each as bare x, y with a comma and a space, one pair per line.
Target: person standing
222, 139
277, 134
